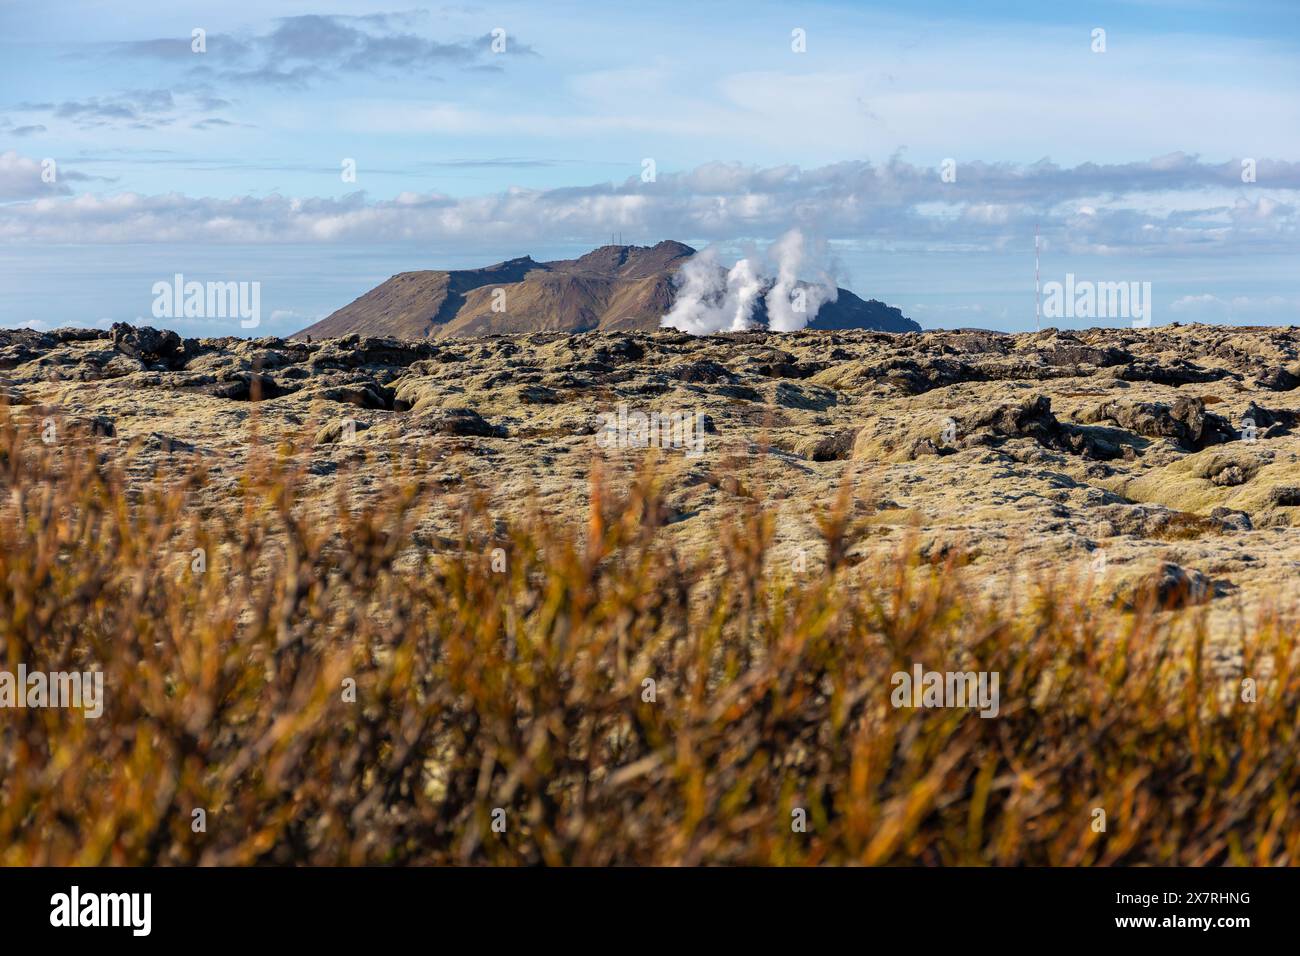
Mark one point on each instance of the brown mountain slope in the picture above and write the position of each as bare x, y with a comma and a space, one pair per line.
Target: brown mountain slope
415, 305
612, 288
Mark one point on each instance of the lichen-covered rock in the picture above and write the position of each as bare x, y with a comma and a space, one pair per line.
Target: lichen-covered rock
1171, 586
339, 430
149, 345
361, 394
456, 421
1038, 453
1185, 421
247, 387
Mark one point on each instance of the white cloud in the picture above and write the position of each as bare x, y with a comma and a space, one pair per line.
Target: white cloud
893, 205
20, 178
1207, 308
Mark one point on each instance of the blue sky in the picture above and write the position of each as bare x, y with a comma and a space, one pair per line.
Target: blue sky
227, 164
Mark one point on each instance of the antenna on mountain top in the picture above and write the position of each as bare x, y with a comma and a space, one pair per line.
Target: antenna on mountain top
1038, 326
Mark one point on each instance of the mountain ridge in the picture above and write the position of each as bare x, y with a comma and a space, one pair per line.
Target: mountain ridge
610, 288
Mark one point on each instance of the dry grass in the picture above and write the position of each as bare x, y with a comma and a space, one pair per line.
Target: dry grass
523, 691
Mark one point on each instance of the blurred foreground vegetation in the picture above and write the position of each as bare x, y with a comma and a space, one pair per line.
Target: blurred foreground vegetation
342, 691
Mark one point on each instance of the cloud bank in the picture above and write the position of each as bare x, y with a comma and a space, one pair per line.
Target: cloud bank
1173, 204
301, 50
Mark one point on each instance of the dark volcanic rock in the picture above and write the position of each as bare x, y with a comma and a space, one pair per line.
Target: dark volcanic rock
1031, 418
1285, 496
1172, 586
1271, 423
1277, 379
149, 345
1185, 422
1231, 519
361, 394
457, 421
353, 351
1177, 372
248, 387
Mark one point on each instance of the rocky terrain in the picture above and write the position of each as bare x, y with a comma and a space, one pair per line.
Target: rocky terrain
613, 288
1114, 456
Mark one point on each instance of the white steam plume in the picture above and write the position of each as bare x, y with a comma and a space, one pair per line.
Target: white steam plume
744, 286
701, 284
712, 299
791, 306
